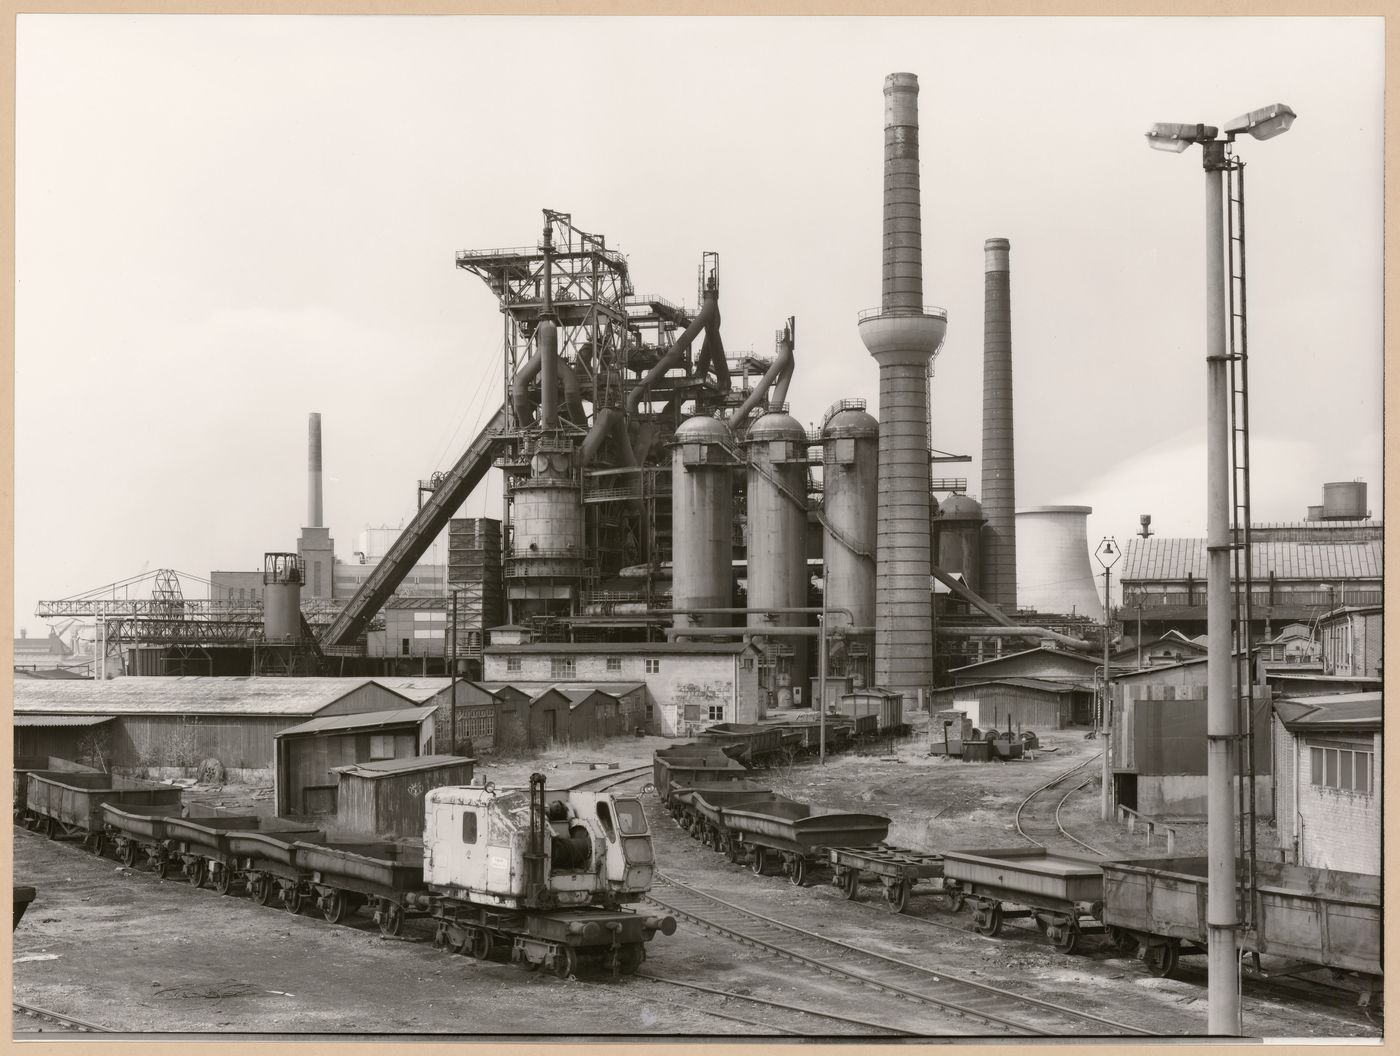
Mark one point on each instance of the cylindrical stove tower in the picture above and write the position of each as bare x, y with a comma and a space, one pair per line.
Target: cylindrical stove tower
777, 537
702, 530
998, 446
850, 490
283, 575
547, 556
903, 336
957, 538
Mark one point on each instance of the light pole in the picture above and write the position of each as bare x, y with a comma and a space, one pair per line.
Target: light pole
1108, 555
1223, 1005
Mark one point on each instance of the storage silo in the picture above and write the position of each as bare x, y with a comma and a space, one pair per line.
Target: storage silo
777, 532
1053, 574
283, 575
702, 531
1344, 501
957, 533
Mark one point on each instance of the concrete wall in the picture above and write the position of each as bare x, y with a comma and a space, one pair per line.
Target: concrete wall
680, 692
1182, 797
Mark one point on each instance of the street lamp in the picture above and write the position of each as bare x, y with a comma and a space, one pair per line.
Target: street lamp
1223, 1007
1108, 554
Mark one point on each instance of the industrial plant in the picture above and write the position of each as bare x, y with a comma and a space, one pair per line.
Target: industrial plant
678, 559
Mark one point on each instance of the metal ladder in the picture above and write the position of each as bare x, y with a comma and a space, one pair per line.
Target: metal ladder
1242, 552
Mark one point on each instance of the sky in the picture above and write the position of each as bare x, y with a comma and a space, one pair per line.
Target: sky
226, 222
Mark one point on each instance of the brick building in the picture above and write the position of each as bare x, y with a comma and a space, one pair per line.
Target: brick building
1353, 641
1327, 758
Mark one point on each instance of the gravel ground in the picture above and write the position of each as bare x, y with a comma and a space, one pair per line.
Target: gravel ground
122, 949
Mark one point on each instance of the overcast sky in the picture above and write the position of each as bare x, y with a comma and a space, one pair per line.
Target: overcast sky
227, 222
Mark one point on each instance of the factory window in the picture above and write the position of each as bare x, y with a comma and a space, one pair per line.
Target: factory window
745, 663
561, 667
648, 712
381, 746
406, 646
614, 663
430, 634
716, 713
653, 667
469, 827
1342, 768
512, 663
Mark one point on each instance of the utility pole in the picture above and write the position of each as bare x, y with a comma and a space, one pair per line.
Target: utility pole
1108, 555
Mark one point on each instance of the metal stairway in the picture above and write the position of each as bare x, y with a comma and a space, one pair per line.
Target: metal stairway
457, 484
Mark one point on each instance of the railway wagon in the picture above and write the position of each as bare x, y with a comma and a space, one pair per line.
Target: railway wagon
691, 764
1320, 917
895, 869
796, 834
756, 742
61, 803
699, 810
345, 877
269, 865
1062, 893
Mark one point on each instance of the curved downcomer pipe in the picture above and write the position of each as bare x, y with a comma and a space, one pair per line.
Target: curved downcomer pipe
712, 353
782, 362
562, 373
780, 387
604, 422
573, 391
677, 350
547, 348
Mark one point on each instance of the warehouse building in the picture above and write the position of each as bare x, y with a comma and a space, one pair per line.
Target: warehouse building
688, 685
308, 753
1042, 663
168, 726
1328, 758
1353, 641
1026, 703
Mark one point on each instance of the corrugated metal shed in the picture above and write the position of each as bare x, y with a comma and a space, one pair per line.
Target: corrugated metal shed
1163, 559
385, 767
1056, 656
61, 720
387, 798
1031, 683
185, 695
1352, 711
363, 721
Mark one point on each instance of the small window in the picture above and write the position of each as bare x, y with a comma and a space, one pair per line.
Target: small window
648, 711
630, 818
745, 663
407, 644
605, 816
512, 663
469, 827
561, 667
1316, 766
653, 666
381, 746
716, 712
614, 663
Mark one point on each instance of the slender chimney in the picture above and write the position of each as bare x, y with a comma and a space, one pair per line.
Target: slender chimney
998, 438
313, 466
903, 337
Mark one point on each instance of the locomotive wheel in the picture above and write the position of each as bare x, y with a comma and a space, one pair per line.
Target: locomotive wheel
797, 872
1069, 942
1161, 960
160, 865
334, 907
759, 861
293, 900
481, 945
992, 917
223, 879
565, 962
260, 888
196, 872
850, 883
390, 918
127, 854
99, 845
731, 849
630, 957
897, 896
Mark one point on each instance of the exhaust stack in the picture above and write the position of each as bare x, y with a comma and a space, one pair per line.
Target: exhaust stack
998, 440
313, 466
903, 336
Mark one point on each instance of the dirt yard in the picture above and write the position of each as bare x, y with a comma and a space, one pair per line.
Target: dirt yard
122, 949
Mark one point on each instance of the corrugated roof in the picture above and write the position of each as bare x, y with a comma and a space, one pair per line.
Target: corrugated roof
578, 696
387, 767
417, 689
365, 720
1024, 683
613, 689
1087, 661
1165, 559
184, 695
1361, 711
61, 720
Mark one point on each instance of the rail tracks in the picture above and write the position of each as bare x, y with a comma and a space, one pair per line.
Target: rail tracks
1036, 830
611, 778
65, 1024
1003, 1011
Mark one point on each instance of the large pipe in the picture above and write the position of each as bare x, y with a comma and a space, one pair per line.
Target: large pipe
763, 632
604, 422
712, 353
547, 339
780, 387
677, 351
782, 361
573, 392
1222, 914
998, 580
313, 468
520, 387
903, 339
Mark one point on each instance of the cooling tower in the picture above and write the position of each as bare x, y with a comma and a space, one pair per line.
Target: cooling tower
903, 336
998, 447
313, 468
1054, 574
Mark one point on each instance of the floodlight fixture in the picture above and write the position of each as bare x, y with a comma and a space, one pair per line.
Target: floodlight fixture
1264, 123
1176, 137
